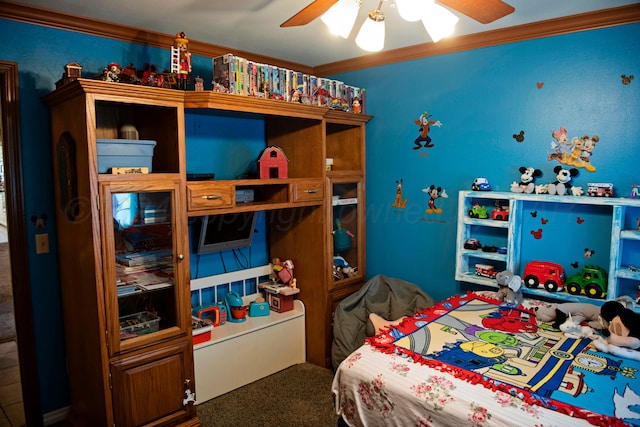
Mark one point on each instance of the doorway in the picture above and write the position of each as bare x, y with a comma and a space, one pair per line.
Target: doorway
16, 232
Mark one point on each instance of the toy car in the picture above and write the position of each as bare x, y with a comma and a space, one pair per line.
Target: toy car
480, 184
548, 274
488, 248
478, 211
486, 270
501, 214
600, 189
592, 281
472, 244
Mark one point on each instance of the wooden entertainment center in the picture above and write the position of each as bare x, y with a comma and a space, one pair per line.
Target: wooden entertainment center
129, 346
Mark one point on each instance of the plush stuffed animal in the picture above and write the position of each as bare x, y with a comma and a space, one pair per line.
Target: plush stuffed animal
579, 312
622, 325
561, 185
509, 286
527, 177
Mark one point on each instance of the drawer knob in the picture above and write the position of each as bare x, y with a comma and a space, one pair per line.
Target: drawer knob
311, 191
212, 197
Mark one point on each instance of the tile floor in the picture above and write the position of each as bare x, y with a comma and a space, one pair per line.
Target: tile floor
11, 410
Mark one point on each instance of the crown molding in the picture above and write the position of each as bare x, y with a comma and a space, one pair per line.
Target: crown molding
53, 19
552, 27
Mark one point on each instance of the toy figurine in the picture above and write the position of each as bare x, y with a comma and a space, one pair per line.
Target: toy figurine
112, 73
284, 272
181, 60
509, 288
356, 107
634, 192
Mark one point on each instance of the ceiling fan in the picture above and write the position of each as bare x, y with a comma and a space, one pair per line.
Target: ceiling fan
483, 11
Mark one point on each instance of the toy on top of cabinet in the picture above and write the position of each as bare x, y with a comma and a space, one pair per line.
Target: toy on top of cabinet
480, 184
527, 178
284, 272
600, 189
181, 59
562, 184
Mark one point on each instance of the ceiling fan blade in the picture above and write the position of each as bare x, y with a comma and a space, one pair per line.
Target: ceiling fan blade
309, 13
483, 11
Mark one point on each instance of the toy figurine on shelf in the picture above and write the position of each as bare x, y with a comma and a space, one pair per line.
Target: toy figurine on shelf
112, 73
284, 272
181, 60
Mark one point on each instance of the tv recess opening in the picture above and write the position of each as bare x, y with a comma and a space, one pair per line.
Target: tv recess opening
225, 232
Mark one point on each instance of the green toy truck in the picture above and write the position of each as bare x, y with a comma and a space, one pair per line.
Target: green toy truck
478, 211
592, 281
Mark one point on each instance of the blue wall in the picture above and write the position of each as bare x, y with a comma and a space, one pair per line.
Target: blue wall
481, 97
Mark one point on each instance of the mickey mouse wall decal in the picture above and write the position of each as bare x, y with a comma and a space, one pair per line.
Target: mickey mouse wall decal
519, 136
39, 222
539, 85
626, 80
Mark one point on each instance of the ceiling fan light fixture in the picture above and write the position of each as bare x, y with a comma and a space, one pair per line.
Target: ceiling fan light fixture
439, 22
413, 10
341, 17
371, 34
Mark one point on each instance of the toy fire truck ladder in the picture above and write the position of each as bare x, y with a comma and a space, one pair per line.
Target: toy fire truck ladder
175, 60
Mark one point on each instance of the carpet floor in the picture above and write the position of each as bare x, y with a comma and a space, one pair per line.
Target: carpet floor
299, 396
7, 325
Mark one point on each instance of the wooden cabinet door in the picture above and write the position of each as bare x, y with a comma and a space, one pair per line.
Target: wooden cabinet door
148, 389
145, 265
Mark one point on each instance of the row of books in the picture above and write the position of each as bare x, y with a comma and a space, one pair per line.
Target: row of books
239, 76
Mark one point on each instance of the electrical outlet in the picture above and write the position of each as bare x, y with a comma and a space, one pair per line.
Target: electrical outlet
42, 243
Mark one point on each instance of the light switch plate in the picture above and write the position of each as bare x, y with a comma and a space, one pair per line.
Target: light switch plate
42, 243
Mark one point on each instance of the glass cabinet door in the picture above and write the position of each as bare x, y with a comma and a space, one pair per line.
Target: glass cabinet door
142, 263
348, 229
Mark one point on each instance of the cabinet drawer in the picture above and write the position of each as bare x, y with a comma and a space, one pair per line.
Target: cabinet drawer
304, 191
207, 195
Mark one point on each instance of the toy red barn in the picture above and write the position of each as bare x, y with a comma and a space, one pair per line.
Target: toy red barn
273, 163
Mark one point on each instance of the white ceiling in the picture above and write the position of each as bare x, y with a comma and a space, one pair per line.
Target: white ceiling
254, 25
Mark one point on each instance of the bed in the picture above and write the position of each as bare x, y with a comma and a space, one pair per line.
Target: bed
470, 361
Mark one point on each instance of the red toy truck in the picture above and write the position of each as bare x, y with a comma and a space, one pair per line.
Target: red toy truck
486, 270
548, 274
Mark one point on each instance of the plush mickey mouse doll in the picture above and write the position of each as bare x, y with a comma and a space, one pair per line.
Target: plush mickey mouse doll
622, 325
561, 185
527, 177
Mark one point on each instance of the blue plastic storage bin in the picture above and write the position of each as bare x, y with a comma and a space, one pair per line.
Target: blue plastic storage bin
120, 153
